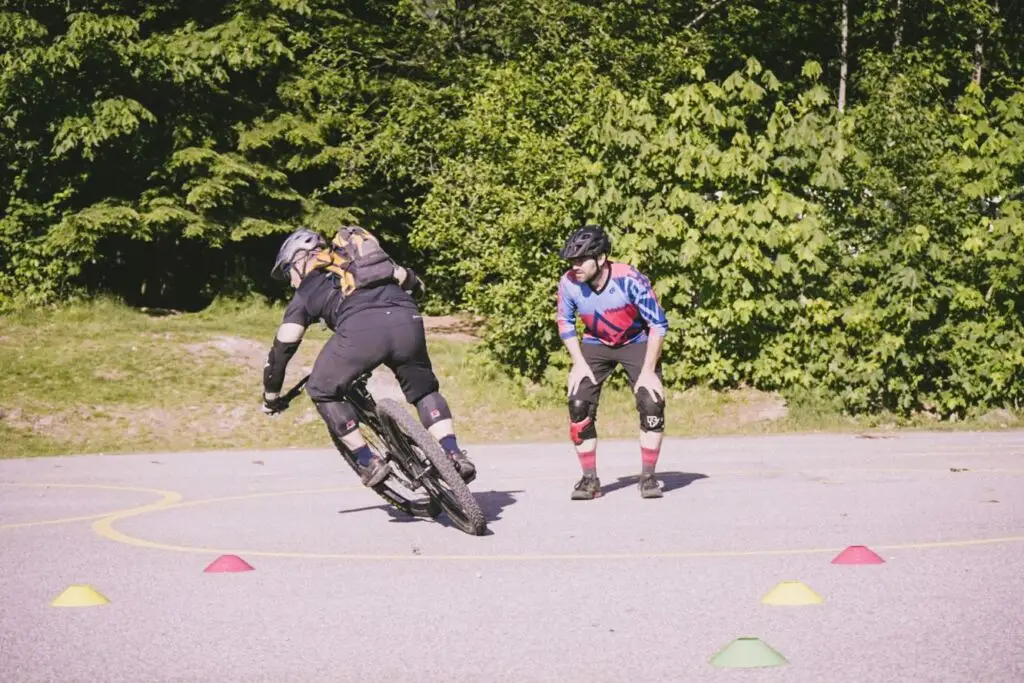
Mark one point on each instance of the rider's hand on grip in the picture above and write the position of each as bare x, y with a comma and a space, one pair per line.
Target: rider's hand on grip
275, 405
413, 284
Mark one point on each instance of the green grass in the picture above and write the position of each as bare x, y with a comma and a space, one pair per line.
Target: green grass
104, 378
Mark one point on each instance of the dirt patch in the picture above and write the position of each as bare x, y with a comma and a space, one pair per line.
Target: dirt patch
454, 327
1000, 417
755, 406
126, 424
382, 384
136, 422
251, 354
216, 421
57, 426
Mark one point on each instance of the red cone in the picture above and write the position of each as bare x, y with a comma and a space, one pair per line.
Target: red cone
858, 554
229, 563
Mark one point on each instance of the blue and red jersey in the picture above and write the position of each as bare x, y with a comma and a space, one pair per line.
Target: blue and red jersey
623, 312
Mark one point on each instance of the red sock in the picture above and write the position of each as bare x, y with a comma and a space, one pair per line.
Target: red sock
649, 457
588, 461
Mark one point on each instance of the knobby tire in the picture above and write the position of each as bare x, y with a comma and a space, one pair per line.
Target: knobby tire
451, 492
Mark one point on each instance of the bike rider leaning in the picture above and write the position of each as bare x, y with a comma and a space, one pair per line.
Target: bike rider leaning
377, 325
624, 325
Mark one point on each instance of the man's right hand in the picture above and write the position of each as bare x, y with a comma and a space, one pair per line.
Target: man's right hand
273, 404
414, 283
411, 283
580, 370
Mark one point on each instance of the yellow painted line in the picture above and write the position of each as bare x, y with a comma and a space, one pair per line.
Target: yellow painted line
106, 529
115, 535
105, 526
167, 498
122, 514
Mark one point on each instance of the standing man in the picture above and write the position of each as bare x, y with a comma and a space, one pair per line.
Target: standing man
624, 325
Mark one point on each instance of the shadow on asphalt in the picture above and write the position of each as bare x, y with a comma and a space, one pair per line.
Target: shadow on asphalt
670, 481
492, 503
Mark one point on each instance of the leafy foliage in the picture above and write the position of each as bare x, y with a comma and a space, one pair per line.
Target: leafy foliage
160, 150
146, 150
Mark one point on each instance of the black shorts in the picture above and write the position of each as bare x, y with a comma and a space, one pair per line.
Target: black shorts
393, 337
603, 360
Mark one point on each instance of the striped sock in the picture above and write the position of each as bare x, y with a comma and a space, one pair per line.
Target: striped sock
588, 461
649, 457
363, 456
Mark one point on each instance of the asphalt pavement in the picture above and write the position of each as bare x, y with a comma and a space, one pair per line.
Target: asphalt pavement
616, 589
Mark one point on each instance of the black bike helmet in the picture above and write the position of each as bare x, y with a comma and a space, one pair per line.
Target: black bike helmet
588, 241
302, 240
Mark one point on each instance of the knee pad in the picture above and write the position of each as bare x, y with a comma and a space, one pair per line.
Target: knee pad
652, 411
582, 416
340, 417
432, 408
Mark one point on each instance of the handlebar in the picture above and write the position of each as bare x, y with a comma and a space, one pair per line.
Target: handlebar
293, 393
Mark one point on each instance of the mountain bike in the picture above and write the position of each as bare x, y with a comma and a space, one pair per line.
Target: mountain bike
418, 463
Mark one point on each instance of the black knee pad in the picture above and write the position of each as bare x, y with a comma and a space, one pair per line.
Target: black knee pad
652, 411
340, 417
432, 408
582, 420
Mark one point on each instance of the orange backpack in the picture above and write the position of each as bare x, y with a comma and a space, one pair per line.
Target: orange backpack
357, 259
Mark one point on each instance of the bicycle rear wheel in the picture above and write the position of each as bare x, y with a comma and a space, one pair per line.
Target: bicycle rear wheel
421, 454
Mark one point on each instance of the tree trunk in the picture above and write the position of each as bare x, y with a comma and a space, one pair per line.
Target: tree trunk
978, 54
979, 50
898, 39
700, 17
844, 36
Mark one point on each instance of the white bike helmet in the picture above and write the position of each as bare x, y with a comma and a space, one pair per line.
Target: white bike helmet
298, 243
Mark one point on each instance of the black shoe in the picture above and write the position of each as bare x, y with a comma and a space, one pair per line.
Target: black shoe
587, 488
649, 486
464, 466
375, 472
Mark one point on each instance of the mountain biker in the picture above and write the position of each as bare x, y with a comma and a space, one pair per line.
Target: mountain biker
379, 324
624, 325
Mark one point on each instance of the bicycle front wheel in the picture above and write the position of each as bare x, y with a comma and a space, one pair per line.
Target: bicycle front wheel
386, 490
414, 444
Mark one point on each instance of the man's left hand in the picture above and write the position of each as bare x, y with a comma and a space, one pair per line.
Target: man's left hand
648, 379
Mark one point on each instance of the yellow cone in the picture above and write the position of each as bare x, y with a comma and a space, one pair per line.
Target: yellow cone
79, 595
791, 593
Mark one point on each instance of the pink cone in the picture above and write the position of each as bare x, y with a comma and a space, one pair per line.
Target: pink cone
858, 554
229, 563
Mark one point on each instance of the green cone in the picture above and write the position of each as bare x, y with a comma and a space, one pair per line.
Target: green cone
747, 653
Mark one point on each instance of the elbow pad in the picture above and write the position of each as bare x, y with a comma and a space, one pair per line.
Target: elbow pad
277, 360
